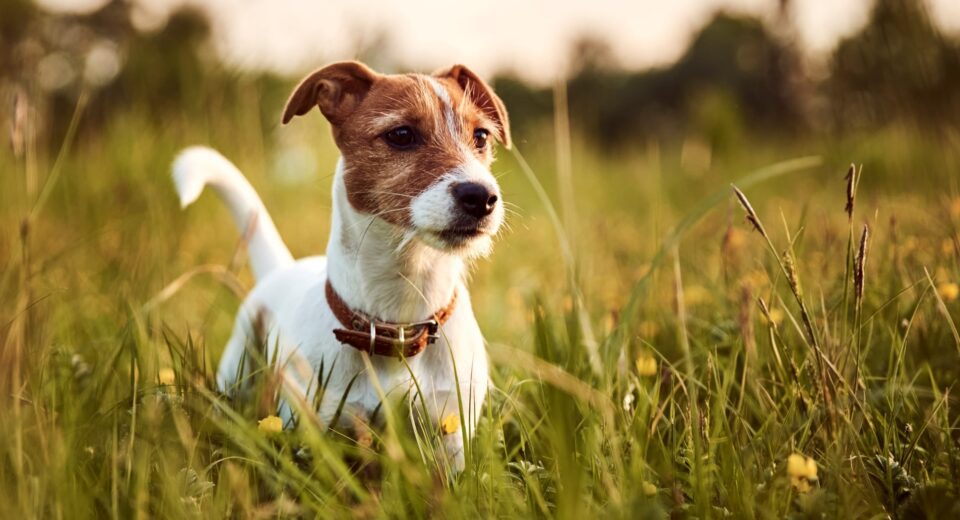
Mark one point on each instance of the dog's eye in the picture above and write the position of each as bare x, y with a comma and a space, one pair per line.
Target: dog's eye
401, 138
480, 136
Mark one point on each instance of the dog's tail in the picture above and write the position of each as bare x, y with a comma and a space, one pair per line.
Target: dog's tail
199, 166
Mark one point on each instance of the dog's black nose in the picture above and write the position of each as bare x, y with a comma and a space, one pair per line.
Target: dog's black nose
474, 199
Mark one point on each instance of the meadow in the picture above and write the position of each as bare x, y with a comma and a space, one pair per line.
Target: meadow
654, 353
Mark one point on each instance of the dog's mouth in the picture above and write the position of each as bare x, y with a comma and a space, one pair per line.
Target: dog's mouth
460, 234
455, 238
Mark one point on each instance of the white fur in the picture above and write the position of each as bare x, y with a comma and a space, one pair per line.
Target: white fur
392, 276
447, 106
434, 209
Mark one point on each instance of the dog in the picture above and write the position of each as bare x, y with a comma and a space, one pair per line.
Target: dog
414, 202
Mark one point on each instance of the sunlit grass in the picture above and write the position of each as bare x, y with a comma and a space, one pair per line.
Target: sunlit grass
654, 354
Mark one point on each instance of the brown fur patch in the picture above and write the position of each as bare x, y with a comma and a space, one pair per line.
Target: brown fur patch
362, 105
383, 181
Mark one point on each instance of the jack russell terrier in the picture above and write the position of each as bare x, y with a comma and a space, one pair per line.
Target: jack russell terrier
413, 203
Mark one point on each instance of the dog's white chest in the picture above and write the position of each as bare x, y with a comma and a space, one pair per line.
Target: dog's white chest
288, 311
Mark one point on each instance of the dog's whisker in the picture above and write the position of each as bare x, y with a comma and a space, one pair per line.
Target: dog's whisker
373, 218
356, 253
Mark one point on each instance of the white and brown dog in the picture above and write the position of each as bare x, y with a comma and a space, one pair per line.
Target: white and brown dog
413, 202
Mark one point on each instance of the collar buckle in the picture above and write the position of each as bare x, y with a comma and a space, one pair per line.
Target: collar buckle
432, 325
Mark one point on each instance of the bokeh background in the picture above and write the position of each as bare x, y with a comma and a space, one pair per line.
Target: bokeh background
644, 108
637, 72
624, 248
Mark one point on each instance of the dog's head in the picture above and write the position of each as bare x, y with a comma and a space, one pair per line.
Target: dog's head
416, 149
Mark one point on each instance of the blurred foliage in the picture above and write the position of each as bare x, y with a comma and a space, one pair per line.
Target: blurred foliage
898, 67
738, 77
733, 60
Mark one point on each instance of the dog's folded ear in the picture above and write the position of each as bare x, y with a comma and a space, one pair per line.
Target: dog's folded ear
483, 97
337, 89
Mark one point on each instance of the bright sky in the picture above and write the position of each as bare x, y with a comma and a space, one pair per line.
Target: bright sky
532, 37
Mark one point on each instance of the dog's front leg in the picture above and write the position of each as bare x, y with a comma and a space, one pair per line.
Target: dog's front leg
452, 412
437, 415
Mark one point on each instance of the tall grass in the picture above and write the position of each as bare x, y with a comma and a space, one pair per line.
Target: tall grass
653, 353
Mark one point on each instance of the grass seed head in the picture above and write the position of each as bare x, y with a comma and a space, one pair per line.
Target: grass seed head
751, 214
860, 262
851, 178
791, 268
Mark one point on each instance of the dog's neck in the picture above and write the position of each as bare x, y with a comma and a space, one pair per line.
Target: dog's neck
384, 272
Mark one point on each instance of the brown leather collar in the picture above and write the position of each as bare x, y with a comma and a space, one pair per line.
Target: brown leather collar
384, 338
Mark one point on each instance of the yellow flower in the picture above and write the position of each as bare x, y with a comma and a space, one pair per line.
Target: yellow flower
450, 424
649, 489
776, 317
695, 295
755, 280
270, 424
948, 291
167, 377
646, 365
610, 321
735, 238
909, 244
802, 471
946, 247
648, 329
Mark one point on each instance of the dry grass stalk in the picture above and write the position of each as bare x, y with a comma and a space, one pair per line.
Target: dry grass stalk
853, 180
745, 319
772, 329
788, 268
18, 124
221, 273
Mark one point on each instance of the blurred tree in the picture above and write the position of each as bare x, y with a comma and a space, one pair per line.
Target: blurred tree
898, 67
165, 68
54, 57
528, 105
16, 19
733, 61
